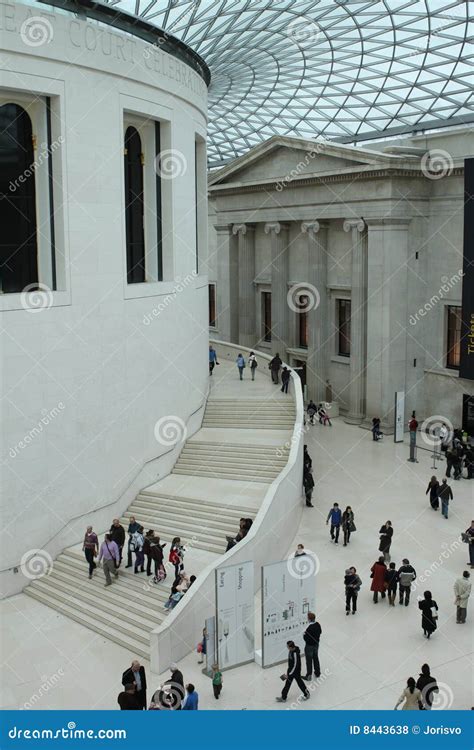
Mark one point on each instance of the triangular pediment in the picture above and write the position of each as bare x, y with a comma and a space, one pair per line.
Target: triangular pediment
280, 157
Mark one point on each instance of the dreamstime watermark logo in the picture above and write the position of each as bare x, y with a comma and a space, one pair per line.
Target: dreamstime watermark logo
170, 164
170, 430
430, 430
47, 683
303, 297
44, 153
303, 566
301, 430
36, 298
300, 167
302, 31
436, 164
169, 696
179, 287
443, 699
36, 563
36, 31
447, 284
47, 417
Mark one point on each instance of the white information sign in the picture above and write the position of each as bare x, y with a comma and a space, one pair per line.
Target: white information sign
288, 594
399, 426
235, 616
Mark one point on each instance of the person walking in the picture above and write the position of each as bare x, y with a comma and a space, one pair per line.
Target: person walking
308, 484
376, 433
311, 637
253, 364
433, 489
449, 460
217, 681
469, 462
156, 556
176, 686
176, 555
335, 516
406, 576
138, 543
307, 460
117, 532
410, 697
109, 553
468, 537
377, 573
285, 379
391, 581
274, 368
386, 534
444, 437
293, 673
428, 616
90, 547
240, 365
462, 592
427, 686
311, 410
136, 675
352, 583
191, 702
445, 494
323, 416
212, 359
132, 528
348, 525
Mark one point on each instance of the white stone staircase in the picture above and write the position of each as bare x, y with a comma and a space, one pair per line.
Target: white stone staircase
212, 464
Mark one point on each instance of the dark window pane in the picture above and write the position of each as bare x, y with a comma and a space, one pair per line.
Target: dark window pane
267, 316
303, 321
135, 236
453, 353
212, 305
343, 310
18, 245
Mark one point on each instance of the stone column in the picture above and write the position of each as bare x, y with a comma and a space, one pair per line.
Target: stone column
358, 321
387, 315
227, 287
246, 248
279, 253
316, 367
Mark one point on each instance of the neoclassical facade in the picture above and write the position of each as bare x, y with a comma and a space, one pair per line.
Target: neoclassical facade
348, 262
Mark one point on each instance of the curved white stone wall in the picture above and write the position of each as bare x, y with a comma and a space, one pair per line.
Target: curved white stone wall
86, 378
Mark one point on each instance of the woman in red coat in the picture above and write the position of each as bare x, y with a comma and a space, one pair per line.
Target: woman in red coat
377, 573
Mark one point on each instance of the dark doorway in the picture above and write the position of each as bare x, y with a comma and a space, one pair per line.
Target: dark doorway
468, 414
300, 367
135, 234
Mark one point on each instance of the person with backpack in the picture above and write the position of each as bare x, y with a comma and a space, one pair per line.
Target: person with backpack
406, 576
335, 516
274, 368
323, 416
352, 583
293, 673
240, 365
253, 364
391, 581
285, 379
176, 555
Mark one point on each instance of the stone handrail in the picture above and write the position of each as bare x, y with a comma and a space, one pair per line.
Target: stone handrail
273, 528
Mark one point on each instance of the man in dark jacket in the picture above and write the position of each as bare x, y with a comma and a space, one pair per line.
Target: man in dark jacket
133, 526
308, 484
352, 583
128, 700
285, 379
311, 637
135, 675
117, 532
445, 494
293, 673
274, 367
406, 576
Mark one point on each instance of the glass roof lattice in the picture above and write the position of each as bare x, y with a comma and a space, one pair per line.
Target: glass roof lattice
341, 69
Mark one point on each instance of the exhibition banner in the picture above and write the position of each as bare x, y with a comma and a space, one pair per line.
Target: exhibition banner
466, 369
288, 594
235, 614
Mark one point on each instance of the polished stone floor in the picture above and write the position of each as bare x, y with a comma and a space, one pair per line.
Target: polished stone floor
52, 662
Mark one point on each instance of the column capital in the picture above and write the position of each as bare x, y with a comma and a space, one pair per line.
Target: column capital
242, 228
313, 227
275, 226
223, 228
350, 224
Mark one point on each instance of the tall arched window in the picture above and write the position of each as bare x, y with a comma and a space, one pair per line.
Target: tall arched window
18, 242
135, 235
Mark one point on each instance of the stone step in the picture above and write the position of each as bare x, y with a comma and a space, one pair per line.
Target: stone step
185, 528
220, 475
135, 632
234, 455
239, 468
229, 424
249, 464
106, 631
73, 556
162, 512
188, 501
270, 451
